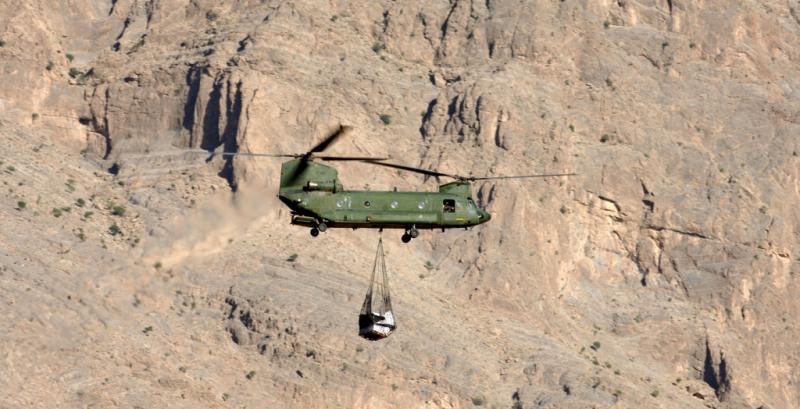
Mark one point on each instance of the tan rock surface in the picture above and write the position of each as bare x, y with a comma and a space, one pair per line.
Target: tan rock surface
664, 276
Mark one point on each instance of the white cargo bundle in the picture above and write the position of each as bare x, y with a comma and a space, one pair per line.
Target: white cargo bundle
376, 320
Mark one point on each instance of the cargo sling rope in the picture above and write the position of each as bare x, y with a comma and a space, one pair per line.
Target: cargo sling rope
376, 320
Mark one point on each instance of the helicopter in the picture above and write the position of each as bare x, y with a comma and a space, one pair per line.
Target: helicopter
319, 201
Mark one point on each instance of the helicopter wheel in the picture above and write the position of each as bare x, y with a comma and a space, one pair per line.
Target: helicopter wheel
322, 227
414, 233
314, 232
406, 238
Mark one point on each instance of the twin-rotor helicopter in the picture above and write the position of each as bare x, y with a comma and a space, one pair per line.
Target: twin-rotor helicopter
318, 199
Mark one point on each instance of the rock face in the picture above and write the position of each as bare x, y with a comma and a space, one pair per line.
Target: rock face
664, 275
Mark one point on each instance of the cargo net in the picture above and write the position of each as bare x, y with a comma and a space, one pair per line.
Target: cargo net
376, 320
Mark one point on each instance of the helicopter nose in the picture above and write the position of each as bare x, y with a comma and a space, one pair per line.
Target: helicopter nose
485, 216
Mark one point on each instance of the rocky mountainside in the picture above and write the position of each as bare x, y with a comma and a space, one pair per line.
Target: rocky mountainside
665, 275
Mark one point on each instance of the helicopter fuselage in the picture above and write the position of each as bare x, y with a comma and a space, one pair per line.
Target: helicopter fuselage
318, 200
382, 209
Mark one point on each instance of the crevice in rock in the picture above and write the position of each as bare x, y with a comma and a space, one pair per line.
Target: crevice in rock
193, 83
683, 232
385, 22
233, 114
669, 6
423, 129
211, 117
716, 376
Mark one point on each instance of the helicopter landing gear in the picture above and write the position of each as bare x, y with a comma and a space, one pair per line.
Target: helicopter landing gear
411, 233
321, 228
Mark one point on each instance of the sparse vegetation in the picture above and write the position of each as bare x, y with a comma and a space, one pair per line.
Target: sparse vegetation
118, 210
572, 128
606, 24
605, 138
75, 73
88, 215
34, 116
250, 375
334, 17
21, 205
617, 372
429, 265
80, 202
478, 401
654, 393
115, 230
2, 43
664, 45
136, 301
56, 212
148, 329
81, 235
70, 57
50, 66
292, 258
595, 345
212, 15
226, 396
157, 265
386, 119
378, 46
692, 45
70, 185
10, 168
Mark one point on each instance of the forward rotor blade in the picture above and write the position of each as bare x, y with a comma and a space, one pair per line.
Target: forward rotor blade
520, 176
269, 155
412, 169
329, 140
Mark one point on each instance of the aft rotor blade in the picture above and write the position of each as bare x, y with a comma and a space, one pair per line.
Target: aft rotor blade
346, 158
329, 140
520, 176
412, 169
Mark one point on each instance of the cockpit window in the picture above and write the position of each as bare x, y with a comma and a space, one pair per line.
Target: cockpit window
449, 206
470, 203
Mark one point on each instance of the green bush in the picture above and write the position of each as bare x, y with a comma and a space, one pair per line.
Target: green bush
250, 375
595, 345
80, 202
2, 43
118, 210
477, 401
70, 57
50, 66
115, 230
34, 116
292, 258
56, 212
75, 73
21, 205
378, 47
386, 119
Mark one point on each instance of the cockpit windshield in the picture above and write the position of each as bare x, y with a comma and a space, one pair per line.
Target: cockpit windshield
470, 203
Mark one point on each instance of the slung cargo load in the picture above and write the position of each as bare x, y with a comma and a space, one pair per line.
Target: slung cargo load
376, 320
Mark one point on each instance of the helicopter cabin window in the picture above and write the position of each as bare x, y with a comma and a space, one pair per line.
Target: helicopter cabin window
449, 206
